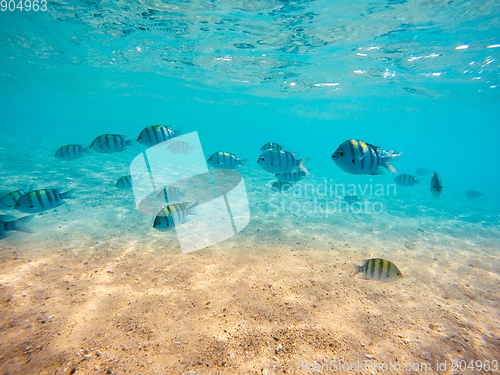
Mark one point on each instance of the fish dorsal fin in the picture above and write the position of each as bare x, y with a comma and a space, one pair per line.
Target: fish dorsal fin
373, 146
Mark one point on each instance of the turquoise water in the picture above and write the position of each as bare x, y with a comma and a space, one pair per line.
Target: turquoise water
413, 76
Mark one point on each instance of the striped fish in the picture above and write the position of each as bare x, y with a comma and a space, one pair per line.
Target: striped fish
10, 199
224, 160
179, 147
155, 134
109, 143
271, 146
169, 194
274, 161
405, 180
294, 176
473, 194
42, 200
358, 157
9, 223
351, 198
436, 185
378, 269
280, 186
172, 215
124, 182
71, 152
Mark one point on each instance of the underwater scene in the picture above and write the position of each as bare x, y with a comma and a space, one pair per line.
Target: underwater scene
249, 187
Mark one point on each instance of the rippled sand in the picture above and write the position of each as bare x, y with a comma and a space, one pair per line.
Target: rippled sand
278, 293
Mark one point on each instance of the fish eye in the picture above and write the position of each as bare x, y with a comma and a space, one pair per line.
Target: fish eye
341, 153
262, 159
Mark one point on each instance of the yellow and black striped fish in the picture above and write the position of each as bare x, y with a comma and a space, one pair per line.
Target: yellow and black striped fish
222, 159
179, 147
358, 157
9, 223
172, 215
271, 146
10, 199
405, 180
42, 200
279, 161
109, 143
124, 182
378, 269
155, 134
71, 152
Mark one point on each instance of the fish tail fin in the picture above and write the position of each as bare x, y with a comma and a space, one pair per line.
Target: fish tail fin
131, 142
389, 158
243, 162
68, 194
356, 269
20, 224
86, 150
302, 165
192, 210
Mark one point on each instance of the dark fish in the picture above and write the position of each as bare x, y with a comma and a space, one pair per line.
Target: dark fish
378, 269
155, 134
223, 159
351, 198
10, 199
280, 161
42, 200
405, 180
110, 143
423, 171
358, 157
9, 223
436, 185
271, 146
71, 152
473, 194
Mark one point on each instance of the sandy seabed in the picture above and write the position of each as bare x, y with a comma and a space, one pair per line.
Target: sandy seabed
251, 305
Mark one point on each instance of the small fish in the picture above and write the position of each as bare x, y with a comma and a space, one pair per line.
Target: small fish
294, 176
224, 160
155, 134
271, 146
179, 147
378, 269
71, 152
280, 186
9, 223
10, 199
279, 161
436, 185
473, 194
423, 171
109, 143
405, 180
124, 182
351, 198
169, 194
172, 215
358, 157
42, 200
